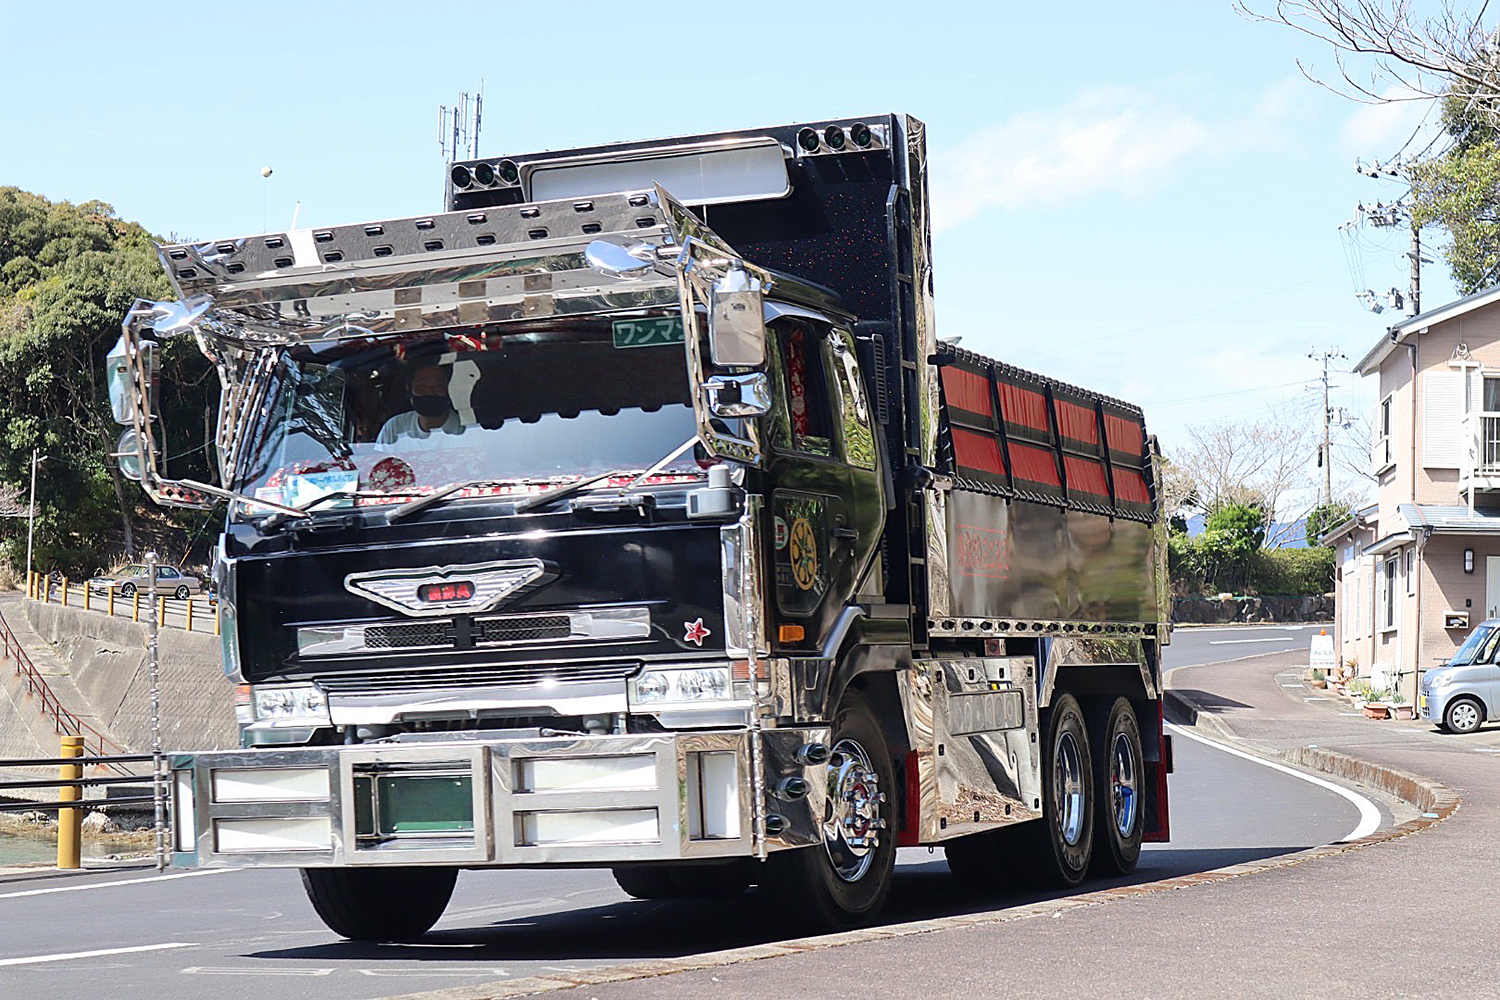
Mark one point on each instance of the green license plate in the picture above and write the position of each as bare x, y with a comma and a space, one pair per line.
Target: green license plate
648, 332
393, 804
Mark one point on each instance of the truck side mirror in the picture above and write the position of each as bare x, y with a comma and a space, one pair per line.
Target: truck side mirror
128, 455
736, 324
738, 395
121, 382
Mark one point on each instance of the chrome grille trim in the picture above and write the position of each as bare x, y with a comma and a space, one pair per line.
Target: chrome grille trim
595, 625
517, 675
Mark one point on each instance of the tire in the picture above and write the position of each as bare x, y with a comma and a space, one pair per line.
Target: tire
182, 593
379, 904
844, 882
1119, 793
1067, 828
683, 881
1463, 715
127, 590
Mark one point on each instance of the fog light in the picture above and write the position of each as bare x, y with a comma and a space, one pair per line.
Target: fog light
290, 705
859, 133
834, 137
808, 140
484, 174
663, 687
461, 177
509, 172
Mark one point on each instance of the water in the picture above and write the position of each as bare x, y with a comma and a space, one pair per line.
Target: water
16, 850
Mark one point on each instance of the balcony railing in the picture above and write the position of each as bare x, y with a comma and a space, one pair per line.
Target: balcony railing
1481, 462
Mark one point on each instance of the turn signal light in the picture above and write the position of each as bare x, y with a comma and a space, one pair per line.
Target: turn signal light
791, 633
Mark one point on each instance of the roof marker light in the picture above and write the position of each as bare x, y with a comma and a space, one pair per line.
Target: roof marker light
461, 176
509, 172
808, 140
484, 173
859, 132
834, 136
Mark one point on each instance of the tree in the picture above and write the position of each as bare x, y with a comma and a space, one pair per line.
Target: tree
68, 273
1231, 537
1262, 463
1325, 516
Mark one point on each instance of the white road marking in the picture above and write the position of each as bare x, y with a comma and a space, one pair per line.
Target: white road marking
1485, 749
1316, 697
1369, 813
211, 970
67, 956
1234, 642
123, 881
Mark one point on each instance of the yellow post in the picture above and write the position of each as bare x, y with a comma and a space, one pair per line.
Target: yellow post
161, 611
189, 626
47, 591
70, 821
218, 621
111, 601
86, 601
65, 591
135, 606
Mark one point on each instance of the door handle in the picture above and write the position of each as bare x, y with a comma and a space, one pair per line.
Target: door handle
847, 534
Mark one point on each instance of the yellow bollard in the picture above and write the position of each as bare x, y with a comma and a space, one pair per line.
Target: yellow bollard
189, 626
86, 597
70, 821
218, 621
111, 601
135, 606
65, 591
161, 611
47, 591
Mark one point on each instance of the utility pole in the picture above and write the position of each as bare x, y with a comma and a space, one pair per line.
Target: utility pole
1327, 356
1414, 303
1387, 215
36, 458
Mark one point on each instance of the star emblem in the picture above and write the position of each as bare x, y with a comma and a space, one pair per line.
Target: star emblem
695, 632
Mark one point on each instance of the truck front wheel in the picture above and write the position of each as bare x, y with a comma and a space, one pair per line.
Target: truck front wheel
844, 882
379, 904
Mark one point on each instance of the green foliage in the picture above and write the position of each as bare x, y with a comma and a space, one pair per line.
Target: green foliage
1231, 535
1291, 572
1460, 193
1325, 516
68, 273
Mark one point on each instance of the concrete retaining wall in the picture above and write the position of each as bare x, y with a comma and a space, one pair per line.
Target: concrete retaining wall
106, 659
1212, 611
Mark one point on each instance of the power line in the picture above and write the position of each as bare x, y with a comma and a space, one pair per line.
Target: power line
1221, 395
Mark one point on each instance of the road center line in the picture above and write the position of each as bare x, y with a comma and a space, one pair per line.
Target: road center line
123, 881
1369, 813
67, 956
1235, 642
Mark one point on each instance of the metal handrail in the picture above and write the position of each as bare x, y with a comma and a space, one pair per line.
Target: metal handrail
64, 722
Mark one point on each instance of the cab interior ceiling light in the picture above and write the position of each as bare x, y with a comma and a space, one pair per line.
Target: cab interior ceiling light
856, 138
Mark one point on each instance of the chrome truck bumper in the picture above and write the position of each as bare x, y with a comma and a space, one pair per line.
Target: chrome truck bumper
498, 802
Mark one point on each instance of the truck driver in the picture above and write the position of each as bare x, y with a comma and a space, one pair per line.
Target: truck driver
431, 412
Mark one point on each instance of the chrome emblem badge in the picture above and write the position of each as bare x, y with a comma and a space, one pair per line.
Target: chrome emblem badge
402, 590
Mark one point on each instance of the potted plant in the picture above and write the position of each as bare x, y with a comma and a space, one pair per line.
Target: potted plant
1319, 680
1376, 706
1400, 707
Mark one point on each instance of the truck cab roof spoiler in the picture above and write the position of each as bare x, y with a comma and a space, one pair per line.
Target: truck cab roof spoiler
436, 271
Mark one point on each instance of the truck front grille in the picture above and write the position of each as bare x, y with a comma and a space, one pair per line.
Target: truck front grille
520, 629
398, 681
403, 636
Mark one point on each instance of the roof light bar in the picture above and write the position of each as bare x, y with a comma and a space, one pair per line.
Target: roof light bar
857, 138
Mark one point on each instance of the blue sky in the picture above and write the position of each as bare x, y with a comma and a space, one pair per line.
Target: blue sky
1142, 199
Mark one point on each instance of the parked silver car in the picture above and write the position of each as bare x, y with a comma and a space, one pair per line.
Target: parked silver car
169, 581
1460, 695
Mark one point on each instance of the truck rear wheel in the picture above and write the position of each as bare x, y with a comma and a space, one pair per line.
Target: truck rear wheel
379, 904
683, 881
844, 882
1119, 776
1068, 796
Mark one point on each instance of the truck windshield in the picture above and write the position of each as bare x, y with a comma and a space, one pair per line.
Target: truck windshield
385, 420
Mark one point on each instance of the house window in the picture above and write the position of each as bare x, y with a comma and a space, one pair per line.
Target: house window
1382, 453
1411, 575
1388, 594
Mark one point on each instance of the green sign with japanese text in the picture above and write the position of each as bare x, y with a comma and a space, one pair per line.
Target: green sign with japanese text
651, 332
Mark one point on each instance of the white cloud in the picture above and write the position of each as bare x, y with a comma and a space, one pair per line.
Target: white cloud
1378, 130
1103, 141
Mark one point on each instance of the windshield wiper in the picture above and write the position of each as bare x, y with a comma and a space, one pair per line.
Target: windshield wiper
568, 489
440, 494
280, 517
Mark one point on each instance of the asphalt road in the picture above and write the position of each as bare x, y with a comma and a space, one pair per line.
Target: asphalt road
1195, 646
249, 934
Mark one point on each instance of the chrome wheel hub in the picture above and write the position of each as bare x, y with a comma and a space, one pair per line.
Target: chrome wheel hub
1067, 784
1465, 716
1122, 786
851, 818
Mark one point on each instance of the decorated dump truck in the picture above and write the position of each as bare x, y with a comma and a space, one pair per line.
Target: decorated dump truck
631, 513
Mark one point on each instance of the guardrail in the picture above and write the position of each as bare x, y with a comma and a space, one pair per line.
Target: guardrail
64, 722
197, 613
70, 804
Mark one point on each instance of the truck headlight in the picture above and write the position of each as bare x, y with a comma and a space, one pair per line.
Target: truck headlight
290, 705
666, 687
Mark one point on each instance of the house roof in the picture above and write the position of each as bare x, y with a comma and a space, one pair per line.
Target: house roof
1451, 520
1397, 333
1359, 519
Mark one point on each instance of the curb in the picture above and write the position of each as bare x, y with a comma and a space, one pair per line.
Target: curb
1184, 711
1436, 801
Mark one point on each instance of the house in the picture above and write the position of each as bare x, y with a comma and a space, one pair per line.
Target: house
1422, 566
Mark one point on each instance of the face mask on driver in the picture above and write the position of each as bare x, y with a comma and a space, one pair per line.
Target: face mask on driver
431, 406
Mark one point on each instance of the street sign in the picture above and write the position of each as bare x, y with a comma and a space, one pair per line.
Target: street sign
1321, 656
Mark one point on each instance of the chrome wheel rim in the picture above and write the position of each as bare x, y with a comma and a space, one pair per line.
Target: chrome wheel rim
1122, 786
1067, 779
852, 821
1465, 716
